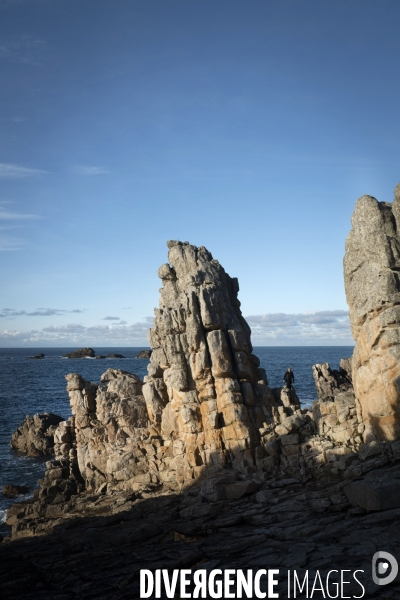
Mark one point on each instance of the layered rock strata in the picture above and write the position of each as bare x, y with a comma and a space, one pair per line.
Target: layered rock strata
371, 269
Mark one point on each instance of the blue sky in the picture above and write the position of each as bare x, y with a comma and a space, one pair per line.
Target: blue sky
248, 127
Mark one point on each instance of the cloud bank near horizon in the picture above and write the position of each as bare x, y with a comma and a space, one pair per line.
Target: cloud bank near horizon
309, 328
281, 328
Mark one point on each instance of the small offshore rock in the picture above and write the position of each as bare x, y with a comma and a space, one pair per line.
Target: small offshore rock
143, 354
35, 435
36, 357
81, 353
115, 356
10, 490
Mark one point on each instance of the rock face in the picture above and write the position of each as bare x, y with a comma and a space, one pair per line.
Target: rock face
204, 416
143, 354
81, 353
105, 441
371, 268
35, 435
205, 393
329, 382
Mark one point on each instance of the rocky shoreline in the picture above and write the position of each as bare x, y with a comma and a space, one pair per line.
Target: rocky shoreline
204, 465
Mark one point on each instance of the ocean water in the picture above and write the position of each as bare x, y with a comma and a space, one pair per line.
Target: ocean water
28, 387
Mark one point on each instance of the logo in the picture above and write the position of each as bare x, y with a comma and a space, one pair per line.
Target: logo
382, 562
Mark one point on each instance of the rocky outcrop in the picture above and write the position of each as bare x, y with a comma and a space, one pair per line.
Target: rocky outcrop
11, 490
205, 393
116, 355
81, 353
143, 354
36, 357
99, 546
35, 435
330, 382
204, 414
371, 268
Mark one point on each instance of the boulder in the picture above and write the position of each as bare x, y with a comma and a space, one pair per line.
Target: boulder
35, 435
36, 357
377, 491
372, 284
81, 353
11, 490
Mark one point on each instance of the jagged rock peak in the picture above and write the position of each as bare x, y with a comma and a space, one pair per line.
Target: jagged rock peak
371, 270
205, 387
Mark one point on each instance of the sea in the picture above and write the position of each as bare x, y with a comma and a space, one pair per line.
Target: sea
28, 387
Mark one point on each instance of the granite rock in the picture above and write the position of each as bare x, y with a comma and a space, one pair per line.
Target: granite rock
371, 270
35, 435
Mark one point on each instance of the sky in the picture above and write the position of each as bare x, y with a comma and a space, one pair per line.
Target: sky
248, 127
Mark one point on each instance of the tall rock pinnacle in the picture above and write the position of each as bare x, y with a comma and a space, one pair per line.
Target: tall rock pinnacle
372, 269
205, 391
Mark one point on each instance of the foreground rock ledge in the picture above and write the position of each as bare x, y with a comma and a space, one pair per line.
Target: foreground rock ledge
98, 551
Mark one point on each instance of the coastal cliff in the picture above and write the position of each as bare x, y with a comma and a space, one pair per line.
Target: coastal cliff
202, 463
204, 416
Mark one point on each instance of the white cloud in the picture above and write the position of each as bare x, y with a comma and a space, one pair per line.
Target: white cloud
15, 216
311, 328
8, 170
283, 328
75, 333
82, 170
9, 313
111, 319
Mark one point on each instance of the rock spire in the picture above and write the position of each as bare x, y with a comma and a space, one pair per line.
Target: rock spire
371, 271
205, 391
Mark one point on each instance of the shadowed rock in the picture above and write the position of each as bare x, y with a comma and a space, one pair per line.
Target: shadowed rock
143, 354
35, 435
81, 353
11, 490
